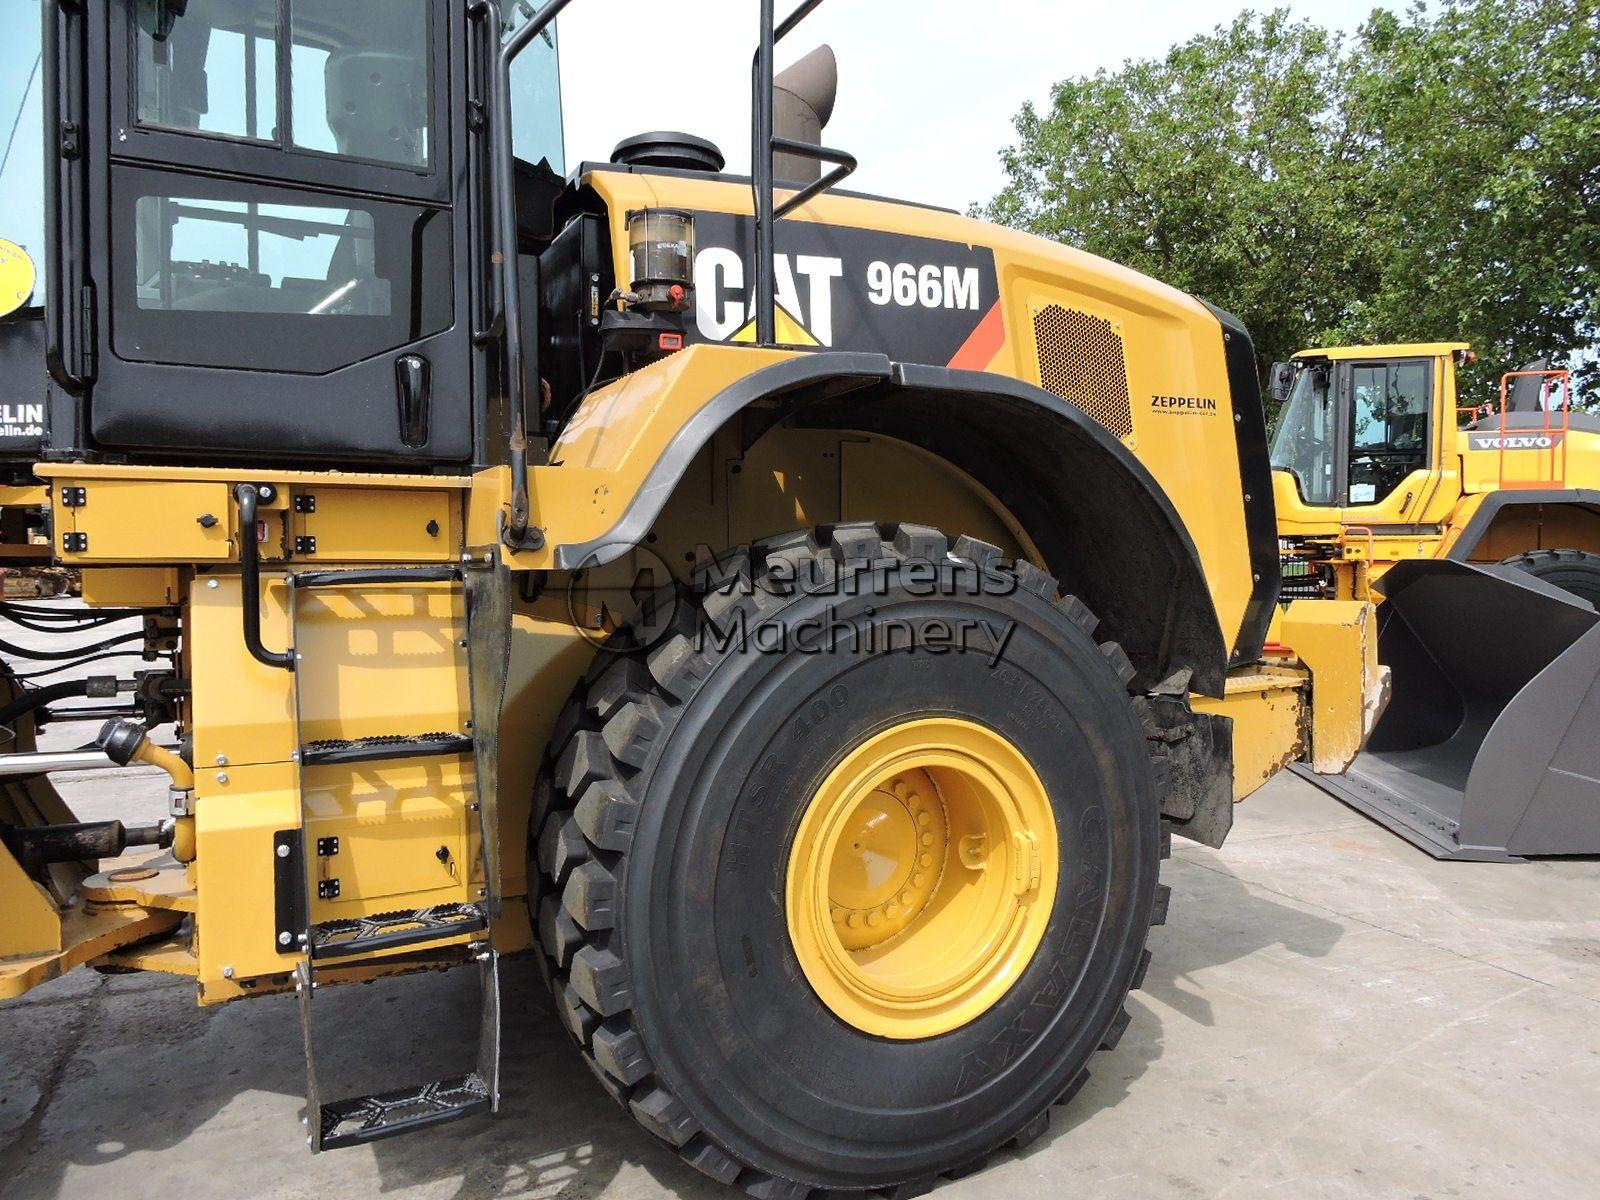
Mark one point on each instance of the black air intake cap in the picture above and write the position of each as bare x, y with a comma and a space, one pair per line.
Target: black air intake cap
680, 151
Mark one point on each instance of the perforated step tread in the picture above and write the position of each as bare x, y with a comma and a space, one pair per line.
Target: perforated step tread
387, 931
333, 751
365, 1119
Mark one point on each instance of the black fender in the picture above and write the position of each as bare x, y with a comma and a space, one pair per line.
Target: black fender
1100, 519
1104, 525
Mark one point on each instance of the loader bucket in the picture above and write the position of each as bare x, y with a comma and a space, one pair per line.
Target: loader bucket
1490, 747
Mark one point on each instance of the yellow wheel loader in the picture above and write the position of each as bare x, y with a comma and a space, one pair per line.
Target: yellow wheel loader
800, 619
1479, 527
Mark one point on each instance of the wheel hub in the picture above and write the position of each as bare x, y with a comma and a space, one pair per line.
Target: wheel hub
888, 860
922, 878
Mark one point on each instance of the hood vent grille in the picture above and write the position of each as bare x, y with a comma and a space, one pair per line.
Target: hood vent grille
1082, 360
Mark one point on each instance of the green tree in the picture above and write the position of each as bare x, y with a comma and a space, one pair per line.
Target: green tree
1433, 177
1483, 131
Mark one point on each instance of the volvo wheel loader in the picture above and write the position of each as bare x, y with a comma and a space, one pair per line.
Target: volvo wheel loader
800, 619
1478, 526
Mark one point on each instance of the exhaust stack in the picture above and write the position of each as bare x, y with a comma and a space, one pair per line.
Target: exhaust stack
803, 97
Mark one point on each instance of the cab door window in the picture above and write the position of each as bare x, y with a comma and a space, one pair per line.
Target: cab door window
210, 66
356, 74
273, 279
1390, 405
223, 256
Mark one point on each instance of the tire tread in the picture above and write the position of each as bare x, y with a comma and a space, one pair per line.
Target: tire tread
589, 815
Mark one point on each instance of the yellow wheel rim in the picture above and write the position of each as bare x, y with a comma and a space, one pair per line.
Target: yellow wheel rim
922, 878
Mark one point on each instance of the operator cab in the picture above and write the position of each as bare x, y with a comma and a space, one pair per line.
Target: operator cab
269, 227
1351, 431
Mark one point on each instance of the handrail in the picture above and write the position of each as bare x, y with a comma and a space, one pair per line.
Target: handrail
69, 355
844, 165
1549, 381
1557, 434
763, 144
248, 497
483, 53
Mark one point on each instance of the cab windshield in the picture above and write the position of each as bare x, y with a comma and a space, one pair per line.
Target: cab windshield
22, 160
1305, 440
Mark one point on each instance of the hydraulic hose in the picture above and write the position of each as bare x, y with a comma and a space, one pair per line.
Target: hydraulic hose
39, 697
80, 662
75, 652
33, 612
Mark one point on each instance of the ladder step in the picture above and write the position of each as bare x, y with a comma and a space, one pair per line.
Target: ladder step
386, 931
380, 749
365, 578
368, 1118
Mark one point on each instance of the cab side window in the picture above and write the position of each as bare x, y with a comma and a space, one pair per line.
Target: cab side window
1388, 426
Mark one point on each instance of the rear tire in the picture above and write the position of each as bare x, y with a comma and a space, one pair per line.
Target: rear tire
1575, 571
679, 777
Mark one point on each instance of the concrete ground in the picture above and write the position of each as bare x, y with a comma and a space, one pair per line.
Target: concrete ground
1329, 1013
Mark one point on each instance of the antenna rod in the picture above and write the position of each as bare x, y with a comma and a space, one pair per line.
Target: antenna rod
761, 182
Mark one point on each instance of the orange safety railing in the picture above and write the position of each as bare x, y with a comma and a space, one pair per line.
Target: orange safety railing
1361, 583
1549, 438
1359, 531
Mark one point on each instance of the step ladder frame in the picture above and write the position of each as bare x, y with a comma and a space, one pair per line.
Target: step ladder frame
322, 1136
483, 592
484, 765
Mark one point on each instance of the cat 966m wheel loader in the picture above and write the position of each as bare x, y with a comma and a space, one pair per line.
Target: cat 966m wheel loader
800, 619
1479, 528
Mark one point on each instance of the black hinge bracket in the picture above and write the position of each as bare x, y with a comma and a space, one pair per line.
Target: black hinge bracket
288, 892
327, 889
74, 497
305, 544
327, 847
75, 543
90, 332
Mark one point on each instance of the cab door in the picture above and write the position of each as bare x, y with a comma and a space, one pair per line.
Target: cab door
278, 229
1388, 440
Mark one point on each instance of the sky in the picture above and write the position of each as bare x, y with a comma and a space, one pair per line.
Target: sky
927, 93
21, 144
928, 89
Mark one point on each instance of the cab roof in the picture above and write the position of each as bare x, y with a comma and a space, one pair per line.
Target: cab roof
1397, 350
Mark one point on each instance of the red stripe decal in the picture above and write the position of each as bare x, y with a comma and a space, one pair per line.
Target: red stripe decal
980, 349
